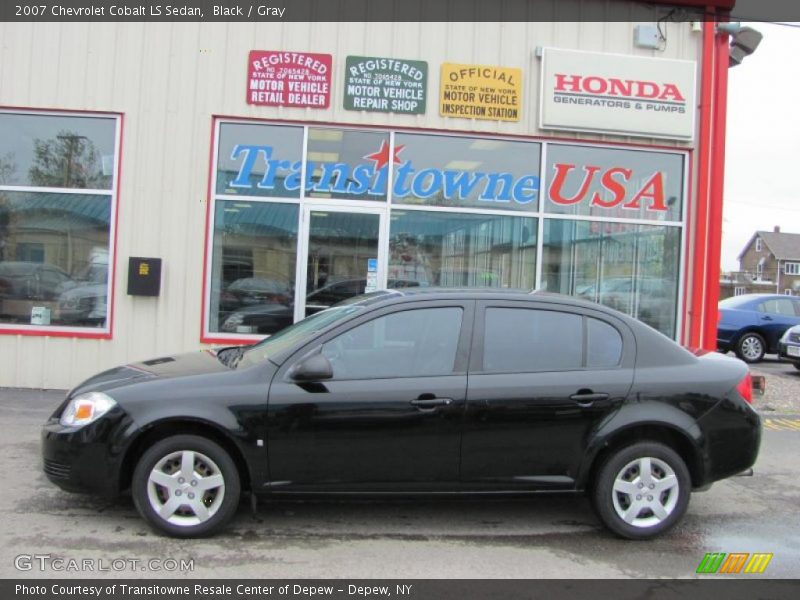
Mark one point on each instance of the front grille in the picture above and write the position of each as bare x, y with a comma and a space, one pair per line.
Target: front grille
794, 337
56, 469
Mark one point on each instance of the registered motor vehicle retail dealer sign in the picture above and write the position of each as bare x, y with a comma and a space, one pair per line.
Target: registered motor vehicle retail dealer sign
613, 93
480, 92
385, 85
298, 79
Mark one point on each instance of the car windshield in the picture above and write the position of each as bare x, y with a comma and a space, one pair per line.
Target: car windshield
299, 332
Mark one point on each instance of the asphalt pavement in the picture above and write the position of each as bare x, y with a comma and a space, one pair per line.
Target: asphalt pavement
550, 536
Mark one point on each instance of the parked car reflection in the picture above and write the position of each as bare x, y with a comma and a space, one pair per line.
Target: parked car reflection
269, 318
24, 285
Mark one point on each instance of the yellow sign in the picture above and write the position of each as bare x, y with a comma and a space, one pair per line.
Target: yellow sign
480, 92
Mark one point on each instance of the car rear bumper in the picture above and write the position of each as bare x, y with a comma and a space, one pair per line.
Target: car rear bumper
732, 438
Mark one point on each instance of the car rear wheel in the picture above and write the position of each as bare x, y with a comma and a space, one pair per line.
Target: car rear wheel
186, 486
751, 348
642, 490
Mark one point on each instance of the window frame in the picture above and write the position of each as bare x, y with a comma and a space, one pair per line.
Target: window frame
107, 331
682, 223
794, 270
759, 244
627, 356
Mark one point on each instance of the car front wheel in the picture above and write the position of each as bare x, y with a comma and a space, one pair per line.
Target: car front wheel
186, 486
642, 490
751, 348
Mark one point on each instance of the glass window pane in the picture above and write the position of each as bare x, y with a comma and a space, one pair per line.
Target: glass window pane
459, 171
524, 340
253, 267
603, 344
57, 151
412, 343
461, 250
614, 183
259, 160
54, 258
631, 268
343, 163
341, 247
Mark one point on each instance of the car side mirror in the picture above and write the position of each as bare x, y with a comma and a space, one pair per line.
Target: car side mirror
312, 368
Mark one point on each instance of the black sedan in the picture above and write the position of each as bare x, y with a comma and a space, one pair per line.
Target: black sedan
417, 391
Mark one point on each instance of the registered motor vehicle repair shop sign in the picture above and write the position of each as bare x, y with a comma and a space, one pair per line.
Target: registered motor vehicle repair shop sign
385, 85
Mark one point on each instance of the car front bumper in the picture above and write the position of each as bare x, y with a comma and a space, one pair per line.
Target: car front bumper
87, 458
785, 348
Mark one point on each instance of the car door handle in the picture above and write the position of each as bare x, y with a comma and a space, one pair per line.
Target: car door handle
766, 318
430, 401
587, 398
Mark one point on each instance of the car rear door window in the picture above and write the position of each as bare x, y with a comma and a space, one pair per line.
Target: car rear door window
778, 306
603, 344
411, 343
524, 340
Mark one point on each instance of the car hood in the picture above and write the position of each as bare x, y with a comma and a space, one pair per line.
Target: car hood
165, 367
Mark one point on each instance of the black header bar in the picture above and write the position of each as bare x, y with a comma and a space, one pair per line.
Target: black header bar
388, 10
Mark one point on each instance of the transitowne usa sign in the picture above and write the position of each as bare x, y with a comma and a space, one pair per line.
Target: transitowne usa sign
615, 93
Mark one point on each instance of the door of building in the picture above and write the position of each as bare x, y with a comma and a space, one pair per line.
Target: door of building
342, 255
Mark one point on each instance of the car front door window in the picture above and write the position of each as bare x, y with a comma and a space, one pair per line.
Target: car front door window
411, 343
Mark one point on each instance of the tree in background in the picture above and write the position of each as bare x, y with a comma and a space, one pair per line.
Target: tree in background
69, 160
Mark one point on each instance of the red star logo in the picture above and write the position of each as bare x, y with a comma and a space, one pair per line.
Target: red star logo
381, 157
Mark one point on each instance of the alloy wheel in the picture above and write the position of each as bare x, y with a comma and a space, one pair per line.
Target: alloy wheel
752, 348
645, 492
185, 488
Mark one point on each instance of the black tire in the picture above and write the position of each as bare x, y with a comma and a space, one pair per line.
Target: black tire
603, 494
222, 465
796, 366
751, 347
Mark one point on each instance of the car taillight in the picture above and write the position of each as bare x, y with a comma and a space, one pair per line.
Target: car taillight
745, 388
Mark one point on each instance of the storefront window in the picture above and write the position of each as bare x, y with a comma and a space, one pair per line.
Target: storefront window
253, 267
347, 164
54, 237
461, 250
259, 160
631, 268
441, 170
603, 182
462, 211
57, 151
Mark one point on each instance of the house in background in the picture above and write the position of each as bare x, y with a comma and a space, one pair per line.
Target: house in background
769, 263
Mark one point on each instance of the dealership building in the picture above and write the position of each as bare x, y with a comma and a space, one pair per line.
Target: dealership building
166, 187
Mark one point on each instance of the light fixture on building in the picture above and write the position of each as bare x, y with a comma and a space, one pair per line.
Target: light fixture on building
744, 41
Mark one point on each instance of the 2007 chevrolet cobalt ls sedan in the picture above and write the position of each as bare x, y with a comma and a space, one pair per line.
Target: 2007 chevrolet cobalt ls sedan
419, 391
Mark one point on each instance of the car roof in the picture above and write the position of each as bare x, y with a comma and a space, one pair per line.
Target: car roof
397, 295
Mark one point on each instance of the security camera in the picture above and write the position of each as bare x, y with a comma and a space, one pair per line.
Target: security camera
744, 43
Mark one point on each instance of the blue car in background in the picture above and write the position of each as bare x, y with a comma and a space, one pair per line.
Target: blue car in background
752, 324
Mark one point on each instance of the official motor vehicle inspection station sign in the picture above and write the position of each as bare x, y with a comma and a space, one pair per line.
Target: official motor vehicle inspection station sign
480, 92
615, 93
385, 85
298, 79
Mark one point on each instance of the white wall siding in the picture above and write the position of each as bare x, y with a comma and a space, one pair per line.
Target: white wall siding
168, 79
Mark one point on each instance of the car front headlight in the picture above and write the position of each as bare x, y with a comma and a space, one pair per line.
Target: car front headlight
86, 408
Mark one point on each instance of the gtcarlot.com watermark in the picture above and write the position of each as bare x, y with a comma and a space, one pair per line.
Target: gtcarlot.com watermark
63, 564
